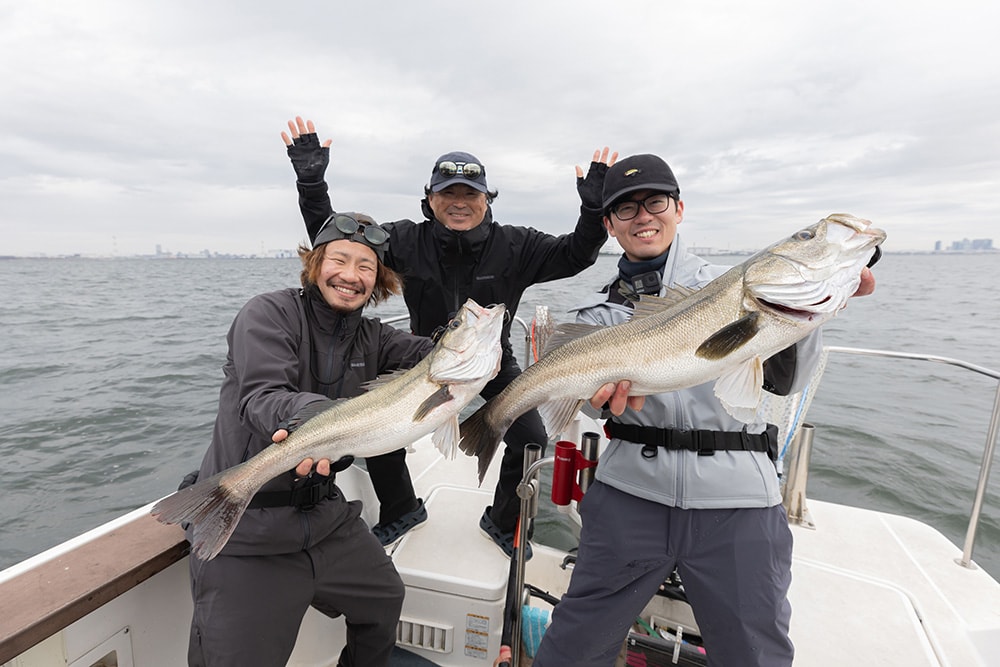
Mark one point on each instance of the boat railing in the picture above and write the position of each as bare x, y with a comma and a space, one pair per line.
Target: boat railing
991, 434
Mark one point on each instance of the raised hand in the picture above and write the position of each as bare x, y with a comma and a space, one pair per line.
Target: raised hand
591, 188
309, 157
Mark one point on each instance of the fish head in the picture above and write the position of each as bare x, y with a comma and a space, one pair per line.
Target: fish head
469, 349
809, 276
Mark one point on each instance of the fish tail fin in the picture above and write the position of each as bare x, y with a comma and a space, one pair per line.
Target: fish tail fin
213, 507
480, 439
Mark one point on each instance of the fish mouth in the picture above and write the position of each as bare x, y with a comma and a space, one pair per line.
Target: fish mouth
800, 313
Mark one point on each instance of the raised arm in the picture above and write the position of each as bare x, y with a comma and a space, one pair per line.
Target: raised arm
310, 159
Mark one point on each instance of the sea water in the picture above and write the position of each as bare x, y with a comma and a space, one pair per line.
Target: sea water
110, 371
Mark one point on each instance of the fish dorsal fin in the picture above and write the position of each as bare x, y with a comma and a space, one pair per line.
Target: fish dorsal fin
730, 338
438, 398
649, 305
739, 390
385, 378
446, 437
570, 331
312, 409
558, 415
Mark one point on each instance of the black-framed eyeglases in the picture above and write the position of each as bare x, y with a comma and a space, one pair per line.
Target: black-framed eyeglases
654, 204
348, 226
469, 170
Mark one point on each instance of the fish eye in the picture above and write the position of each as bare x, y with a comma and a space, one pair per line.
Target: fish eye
454, 324
804, 235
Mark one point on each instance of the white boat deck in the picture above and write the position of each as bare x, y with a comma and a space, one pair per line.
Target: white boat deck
920, 607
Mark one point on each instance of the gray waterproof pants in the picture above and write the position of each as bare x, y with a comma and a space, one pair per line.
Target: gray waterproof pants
735, 565
247, 609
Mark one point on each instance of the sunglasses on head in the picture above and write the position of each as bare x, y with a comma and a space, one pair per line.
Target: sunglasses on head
349, 227
469, 170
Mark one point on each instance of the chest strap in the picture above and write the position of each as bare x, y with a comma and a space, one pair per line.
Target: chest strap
705, 443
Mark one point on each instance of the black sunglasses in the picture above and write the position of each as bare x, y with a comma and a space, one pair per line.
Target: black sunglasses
348, 226
469, 170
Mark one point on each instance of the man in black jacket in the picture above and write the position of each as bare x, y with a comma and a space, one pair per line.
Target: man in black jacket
459, 252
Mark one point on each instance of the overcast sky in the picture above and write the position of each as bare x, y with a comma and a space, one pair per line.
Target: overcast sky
128, 124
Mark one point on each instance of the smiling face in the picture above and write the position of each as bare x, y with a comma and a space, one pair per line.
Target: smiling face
347, 275
458, 207
647, 235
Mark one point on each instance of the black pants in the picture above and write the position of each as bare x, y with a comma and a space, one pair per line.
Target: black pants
526, 429
247, 609
393, 486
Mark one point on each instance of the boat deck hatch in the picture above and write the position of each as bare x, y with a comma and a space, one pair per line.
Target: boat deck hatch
465, 562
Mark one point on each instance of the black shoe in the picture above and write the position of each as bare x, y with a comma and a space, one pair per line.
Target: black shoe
389, 533
503, 540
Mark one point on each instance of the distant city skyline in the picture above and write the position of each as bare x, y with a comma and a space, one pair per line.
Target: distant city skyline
964, 245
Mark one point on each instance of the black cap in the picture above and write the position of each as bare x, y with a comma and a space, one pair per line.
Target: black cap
638, 172
439, 181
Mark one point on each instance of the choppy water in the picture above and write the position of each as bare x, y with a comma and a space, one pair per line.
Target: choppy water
109, 376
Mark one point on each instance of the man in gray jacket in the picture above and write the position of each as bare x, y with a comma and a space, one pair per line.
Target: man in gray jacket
717, 519
301, 543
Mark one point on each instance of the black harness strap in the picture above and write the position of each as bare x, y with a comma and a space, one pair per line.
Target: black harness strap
304, 498
705, 443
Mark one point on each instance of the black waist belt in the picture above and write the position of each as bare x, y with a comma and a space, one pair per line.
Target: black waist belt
304, 498
705, 443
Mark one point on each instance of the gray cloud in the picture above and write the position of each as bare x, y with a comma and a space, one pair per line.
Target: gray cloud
127, 125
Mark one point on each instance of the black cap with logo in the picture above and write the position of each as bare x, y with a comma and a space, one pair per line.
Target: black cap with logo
638, 172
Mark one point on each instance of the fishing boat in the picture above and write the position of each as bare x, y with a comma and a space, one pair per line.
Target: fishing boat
868, 587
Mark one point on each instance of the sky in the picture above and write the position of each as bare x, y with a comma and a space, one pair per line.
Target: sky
129, 125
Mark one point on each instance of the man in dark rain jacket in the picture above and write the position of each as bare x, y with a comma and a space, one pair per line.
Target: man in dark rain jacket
460, 252
301, 543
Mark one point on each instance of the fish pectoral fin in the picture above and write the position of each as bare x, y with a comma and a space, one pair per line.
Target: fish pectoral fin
446, 438
438, 398
558, 415
568, 332
730, 338
740, 390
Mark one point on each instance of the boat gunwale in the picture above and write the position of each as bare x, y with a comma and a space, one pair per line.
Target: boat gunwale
66, 584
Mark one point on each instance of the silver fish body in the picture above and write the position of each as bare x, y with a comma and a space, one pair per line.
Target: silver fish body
393, 413
723, 331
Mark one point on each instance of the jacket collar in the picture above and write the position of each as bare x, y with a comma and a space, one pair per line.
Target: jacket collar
466, 244
325, 318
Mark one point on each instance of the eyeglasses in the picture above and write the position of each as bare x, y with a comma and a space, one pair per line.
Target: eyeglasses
654, 204
348, 226
469, 170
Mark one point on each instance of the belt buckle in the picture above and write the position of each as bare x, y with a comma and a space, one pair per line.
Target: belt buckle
313, 494
698, 439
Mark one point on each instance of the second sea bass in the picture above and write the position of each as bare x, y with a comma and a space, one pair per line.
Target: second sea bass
725, 330
392, 414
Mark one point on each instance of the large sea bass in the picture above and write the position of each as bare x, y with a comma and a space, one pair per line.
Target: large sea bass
724, 330
393, 413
